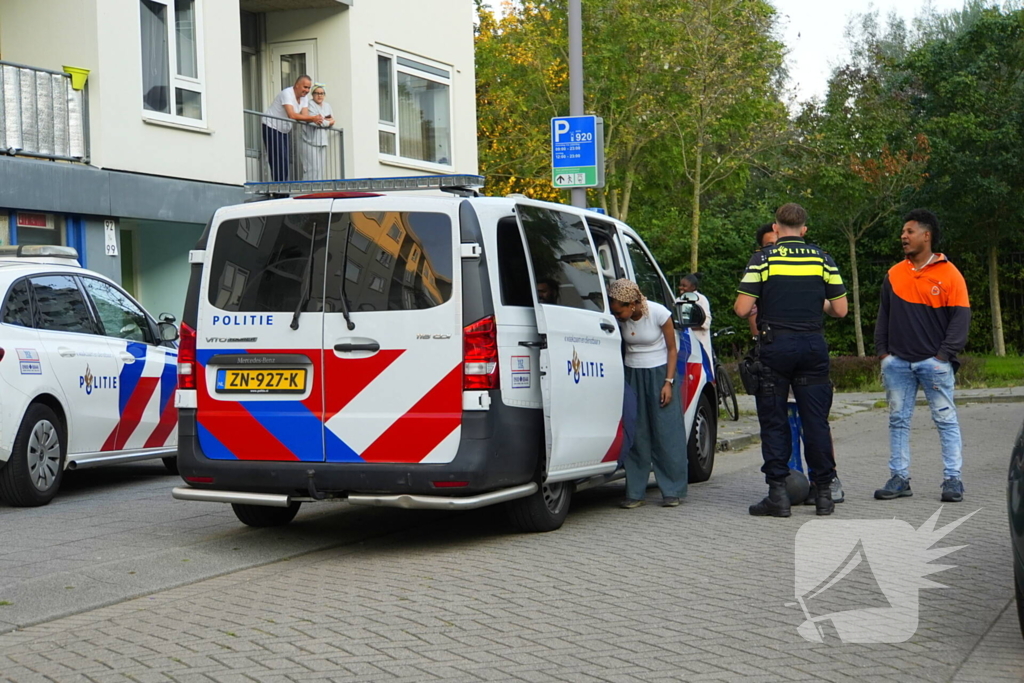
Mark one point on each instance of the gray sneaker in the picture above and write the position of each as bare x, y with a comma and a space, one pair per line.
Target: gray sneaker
952, 490
837, 490
896, 487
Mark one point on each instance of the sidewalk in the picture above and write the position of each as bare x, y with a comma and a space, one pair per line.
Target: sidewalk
735, 436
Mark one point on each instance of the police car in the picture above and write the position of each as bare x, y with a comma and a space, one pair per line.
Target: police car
415, 352
87, 377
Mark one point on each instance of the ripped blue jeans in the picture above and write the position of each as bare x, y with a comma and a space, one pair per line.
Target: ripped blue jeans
901, 379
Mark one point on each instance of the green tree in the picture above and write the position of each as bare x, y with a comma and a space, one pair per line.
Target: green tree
968, 86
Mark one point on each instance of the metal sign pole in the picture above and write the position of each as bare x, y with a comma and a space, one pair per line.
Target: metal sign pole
578, 195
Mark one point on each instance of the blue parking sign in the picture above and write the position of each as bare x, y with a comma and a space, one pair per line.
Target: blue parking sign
574, 151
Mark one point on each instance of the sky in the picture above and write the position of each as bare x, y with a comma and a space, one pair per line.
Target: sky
814, 32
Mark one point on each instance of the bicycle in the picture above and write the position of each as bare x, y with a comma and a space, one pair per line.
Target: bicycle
723, 383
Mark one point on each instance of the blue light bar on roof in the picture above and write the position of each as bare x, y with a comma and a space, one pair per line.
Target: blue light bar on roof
399, 184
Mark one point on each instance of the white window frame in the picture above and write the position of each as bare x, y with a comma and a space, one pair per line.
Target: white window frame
388, 127
176, 81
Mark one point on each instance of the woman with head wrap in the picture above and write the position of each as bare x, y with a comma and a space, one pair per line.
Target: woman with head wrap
313, 151
660, 441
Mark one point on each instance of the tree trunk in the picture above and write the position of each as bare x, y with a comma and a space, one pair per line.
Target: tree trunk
627, 191
695, 214
998, 342
855, 287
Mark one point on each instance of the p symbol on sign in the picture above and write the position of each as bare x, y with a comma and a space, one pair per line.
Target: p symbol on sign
561, 128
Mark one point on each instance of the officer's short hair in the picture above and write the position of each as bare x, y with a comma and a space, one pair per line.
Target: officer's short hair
762, 231
791, 216
929, 221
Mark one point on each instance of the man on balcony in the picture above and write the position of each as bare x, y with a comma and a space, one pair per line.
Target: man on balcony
291, 103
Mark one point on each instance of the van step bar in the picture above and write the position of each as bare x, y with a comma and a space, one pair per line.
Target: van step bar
600, 479
411, 502
405, 501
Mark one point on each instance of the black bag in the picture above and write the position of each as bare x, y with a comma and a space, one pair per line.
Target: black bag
751, 370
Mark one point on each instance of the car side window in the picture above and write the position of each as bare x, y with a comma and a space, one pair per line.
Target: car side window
18, 306
119, 316
647, 276
60, 305
563, 261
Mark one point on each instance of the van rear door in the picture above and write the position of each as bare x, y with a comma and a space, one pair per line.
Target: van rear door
580, 361
259, 345
393, 331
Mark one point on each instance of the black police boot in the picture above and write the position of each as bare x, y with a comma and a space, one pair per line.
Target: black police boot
823, 503
812, 494
776, 504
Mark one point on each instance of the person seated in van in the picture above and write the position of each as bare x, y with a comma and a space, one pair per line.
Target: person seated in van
690, 283
660, 441
547, 291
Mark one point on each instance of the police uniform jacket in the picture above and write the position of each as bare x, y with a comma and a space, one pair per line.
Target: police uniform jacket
791, 280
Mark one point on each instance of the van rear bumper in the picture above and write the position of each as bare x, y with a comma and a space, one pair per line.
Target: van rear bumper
500, 449
404, 501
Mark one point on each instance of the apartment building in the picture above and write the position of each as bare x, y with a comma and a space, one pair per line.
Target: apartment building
127, 123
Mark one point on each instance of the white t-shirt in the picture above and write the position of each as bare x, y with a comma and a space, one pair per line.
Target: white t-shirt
276, 108
645, 342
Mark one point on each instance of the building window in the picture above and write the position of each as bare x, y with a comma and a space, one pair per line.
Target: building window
394, 233
384, 258
377, 283
353, 271
172, 61
414, 103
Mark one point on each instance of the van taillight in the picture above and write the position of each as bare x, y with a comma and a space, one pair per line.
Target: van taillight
187, 357
1, 354
480, 355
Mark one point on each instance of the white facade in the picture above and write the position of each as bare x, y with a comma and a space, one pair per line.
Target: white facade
106, 37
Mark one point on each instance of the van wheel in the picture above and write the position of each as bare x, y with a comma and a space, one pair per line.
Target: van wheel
171, 464
36, 466
700, 450
544, 510
263, 515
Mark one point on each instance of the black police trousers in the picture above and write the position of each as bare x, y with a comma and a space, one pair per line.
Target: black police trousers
799, 360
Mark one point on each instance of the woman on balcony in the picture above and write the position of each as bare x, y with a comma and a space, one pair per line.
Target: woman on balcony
313, 153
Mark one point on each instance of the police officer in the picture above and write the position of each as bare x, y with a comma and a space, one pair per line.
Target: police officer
792, 282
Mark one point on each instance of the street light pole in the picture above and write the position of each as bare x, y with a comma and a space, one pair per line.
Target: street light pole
578, 195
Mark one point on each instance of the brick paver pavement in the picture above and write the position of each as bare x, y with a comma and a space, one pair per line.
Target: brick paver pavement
700, 592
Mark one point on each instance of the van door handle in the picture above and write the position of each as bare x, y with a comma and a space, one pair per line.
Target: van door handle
126, 357
608, 327
372, 346
532, 344
66, 352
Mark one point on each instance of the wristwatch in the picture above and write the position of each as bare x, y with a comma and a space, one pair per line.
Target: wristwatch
670, 380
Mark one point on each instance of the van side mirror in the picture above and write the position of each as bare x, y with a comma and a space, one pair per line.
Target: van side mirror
166, 318
688, 311
168, 332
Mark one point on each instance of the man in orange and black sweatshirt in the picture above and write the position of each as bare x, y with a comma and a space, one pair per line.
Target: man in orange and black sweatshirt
922, 324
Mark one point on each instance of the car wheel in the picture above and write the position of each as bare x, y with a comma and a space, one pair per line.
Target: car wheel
1018, 583
700, 450
36, 466
171, 464
263, 516
544, 510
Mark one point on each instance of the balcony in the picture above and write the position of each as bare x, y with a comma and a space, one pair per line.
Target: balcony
295, 160
41, 115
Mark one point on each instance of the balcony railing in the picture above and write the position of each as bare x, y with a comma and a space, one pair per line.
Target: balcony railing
41, 115
281, 150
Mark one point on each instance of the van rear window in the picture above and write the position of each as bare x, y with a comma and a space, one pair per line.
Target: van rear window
260, 263
389, 261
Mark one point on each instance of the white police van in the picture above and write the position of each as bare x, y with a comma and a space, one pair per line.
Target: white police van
87, 377
392, 351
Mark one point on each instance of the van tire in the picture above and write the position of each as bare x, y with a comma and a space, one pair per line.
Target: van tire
41, 438
700, 449
542, 511
171, 464
263, 515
